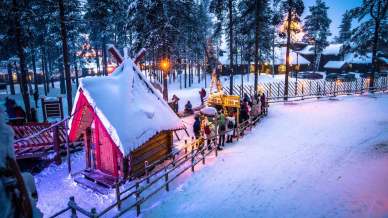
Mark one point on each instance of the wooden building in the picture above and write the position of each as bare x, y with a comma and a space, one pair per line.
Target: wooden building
124, 122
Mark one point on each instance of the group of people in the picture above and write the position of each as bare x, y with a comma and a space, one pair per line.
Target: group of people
252, 107
188, 106
175, 105
222, 125
209, 127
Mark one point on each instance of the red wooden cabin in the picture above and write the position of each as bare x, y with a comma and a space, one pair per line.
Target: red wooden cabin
124, 121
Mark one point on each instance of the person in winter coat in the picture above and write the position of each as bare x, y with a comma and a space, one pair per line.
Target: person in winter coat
197, 127
210, 133
202, 95
230, 124
221, 130
175, 101
263, 103
188, 107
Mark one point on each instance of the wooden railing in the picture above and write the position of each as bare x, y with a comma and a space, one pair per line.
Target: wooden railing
175, 165
302, 88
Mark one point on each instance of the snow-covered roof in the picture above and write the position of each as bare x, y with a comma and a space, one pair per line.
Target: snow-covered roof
130, 109
332, 49
334, 64
383, 59
280, 57
353, 58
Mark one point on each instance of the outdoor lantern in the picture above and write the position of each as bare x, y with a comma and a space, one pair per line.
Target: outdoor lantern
297, 67
165, 64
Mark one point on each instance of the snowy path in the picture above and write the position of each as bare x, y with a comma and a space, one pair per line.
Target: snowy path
312, 159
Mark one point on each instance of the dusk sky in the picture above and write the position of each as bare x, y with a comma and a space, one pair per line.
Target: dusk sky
336, 9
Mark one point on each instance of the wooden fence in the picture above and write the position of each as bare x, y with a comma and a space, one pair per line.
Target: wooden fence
302, 88
159, 179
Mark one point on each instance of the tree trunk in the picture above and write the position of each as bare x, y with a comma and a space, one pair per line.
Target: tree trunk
104, 57
44, 73
76, 70
256, 45
287, 52
97, 60
374, 53
10, 79
230, 8
34, 70
65, 57
23, 70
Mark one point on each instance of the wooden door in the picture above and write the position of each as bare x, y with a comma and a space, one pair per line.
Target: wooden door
105, 152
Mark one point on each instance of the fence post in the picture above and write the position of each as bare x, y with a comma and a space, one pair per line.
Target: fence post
93, 212
278, 89
71, 204
57, 145
203, 156
186, 148
146, 171
166, 180
67, 147
118, 194
324, 87
192, 159
137, 199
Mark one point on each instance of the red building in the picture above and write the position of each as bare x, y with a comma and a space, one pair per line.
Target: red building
124, 122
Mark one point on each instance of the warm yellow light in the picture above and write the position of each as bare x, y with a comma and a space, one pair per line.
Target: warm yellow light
282, 68
165, 65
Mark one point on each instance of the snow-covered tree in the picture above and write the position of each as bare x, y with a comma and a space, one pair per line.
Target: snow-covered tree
345, 28
371, 34
223, 10
256, 31
316, 27
293, 9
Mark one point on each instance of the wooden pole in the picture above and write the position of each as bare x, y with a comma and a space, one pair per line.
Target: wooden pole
57, 145
67, 147
117, 187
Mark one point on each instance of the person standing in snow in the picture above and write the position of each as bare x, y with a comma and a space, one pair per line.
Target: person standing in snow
202, 95
221, 130
175, 101
231, 122
197, 127
263, 103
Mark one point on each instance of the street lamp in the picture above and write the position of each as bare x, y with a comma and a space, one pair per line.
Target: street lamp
165, 66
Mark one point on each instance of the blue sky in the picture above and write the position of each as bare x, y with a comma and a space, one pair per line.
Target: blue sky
336, 9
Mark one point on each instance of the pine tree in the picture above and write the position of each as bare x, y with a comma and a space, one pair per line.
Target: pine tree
371, 34
293, 10
345, 27
317, 26
223, 10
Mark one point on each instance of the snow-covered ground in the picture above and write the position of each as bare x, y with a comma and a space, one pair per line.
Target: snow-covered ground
317, 158
323, 158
